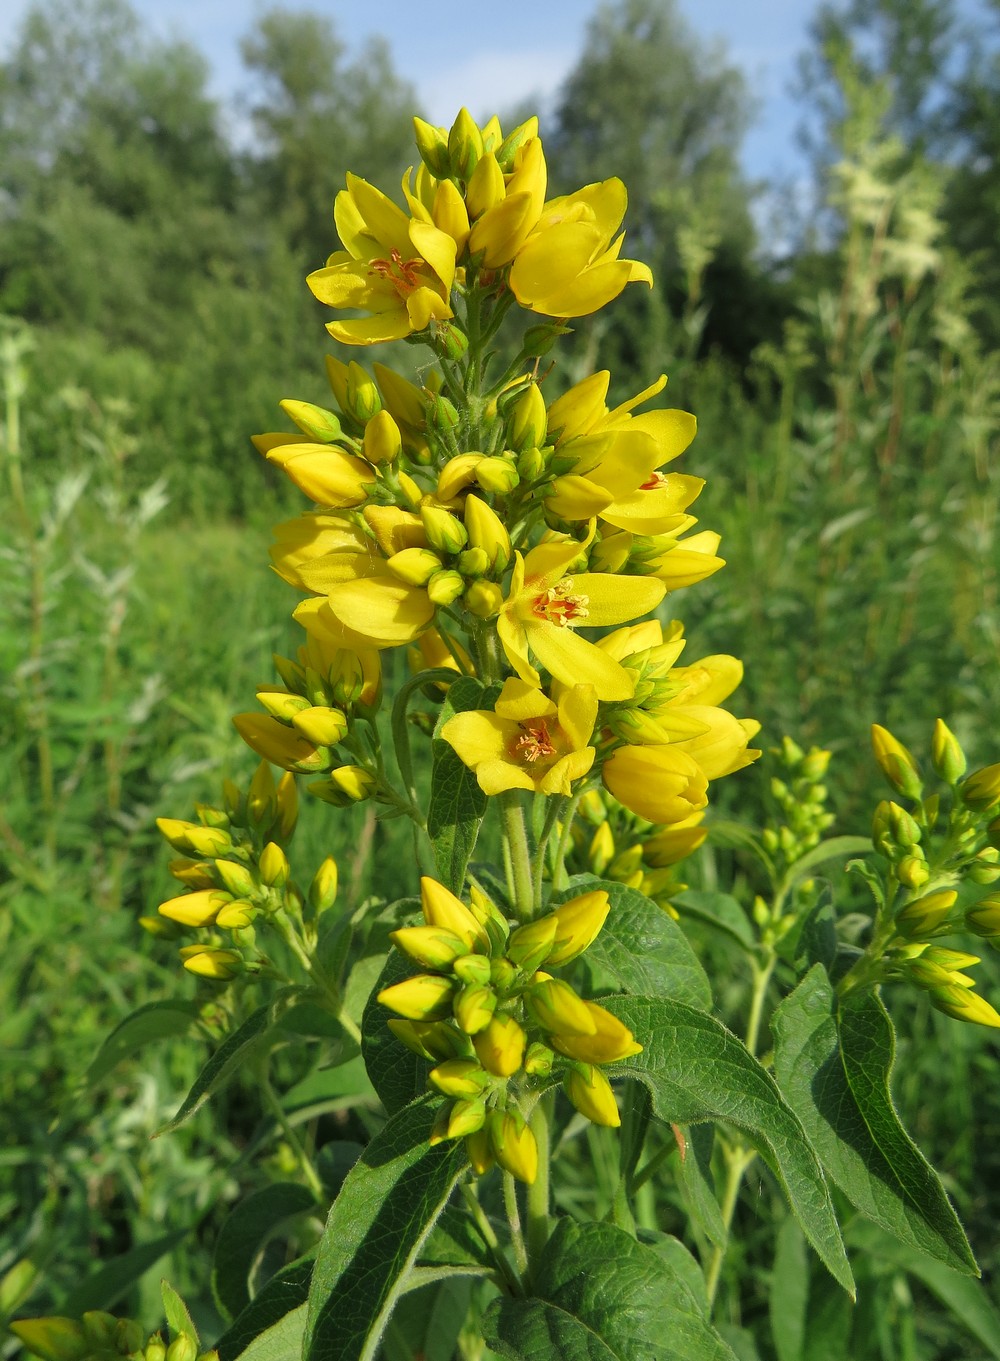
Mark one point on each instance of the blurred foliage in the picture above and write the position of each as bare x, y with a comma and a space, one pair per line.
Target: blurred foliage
151, 267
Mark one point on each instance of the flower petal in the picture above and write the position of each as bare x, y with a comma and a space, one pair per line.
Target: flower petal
615, 600
573, 660
382, 609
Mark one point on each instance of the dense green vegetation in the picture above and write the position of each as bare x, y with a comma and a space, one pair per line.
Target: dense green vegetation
152, 314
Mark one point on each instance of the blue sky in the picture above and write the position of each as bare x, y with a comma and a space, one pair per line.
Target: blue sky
489, 55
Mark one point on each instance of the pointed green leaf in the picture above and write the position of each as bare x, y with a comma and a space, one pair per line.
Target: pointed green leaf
426, 1323
387, 1206
788, 1298
457, 804
698, 1070
243, 1235
281, 1342
641, 948
694, 1174
601, 1296
225, 1063
720, 911
282, 1294
154, 1021
397, 1074
839, 1087
176, 1312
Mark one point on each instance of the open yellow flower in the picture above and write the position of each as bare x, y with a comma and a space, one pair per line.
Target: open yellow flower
527, 741
569, 265
317, 550
398, 269
545, 605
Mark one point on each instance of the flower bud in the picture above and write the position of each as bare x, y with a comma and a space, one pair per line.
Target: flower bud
950, 959
912, 871
528, 420
513, 1145
480, 1155
280, 703
183, 1348
483, 599
538, 340
236, 878
472, 969
434, 1040
905, 829
274, 866
554, 1006
459, 1077
54, 1338
323, 889
514, 141
363, 400
896, 763
445, 587
195, 909
448, 339
432, 946
425, 997
602, 848
444, 531
442, 908
673, 844
441, 413
474, 1007
415, 566
473, 562
500, 1046
947, 756
579, 923
466, 1117
194, 839
262, 796
156, 1349
922, 917
539, 1059
497, 475
590, 1092
237, 915
321, 725
465, 145
984, 918
315, 421
964, 1005
503, 975
220, 965
432, 143
279, 744
346, 785
611, 1041
486, 186
529, 946
382, 440
487, 531
984, 873
531, 464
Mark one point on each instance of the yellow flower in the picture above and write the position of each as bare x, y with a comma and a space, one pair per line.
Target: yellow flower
328, 476
527, 741
315, 551
380, 610
660, 783
544, 605
569, 265
398, 269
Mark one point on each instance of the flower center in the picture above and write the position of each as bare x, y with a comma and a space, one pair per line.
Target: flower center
535, 742
656, 480
560, 606
401, 274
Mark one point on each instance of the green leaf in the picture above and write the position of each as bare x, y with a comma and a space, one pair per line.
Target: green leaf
813, 940
839, 1087
698, 1070
397, 1074
176, 1312
282, 1341
694, 1175
243, 1235
720, 911
788, 1298
965, 1297
154, 1021
225, 1063
601, 1296
387, 1206
455, 1241
426, 1323
457, 804
104, 1288
280, 1296
641, 948
834, 848
688, 1275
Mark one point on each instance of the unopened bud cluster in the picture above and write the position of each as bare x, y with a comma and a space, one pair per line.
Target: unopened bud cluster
98, 1336
942, 839
236, 877
498, 1026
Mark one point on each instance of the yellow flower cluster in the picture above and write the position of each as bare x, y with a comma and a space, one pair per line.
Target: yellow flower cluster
497, 1025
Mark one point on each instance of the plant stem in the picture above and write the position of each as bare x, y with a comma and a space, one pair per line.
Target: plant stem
516, 837
514, 1282
291, 1138
538, 1191
514, 1220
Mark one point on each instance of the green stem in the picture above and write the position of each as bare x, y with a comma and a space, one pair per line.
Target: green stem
569, 813
538, 864
484, 1226
538, 1191
273, 1104
514, 1220
516, 837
